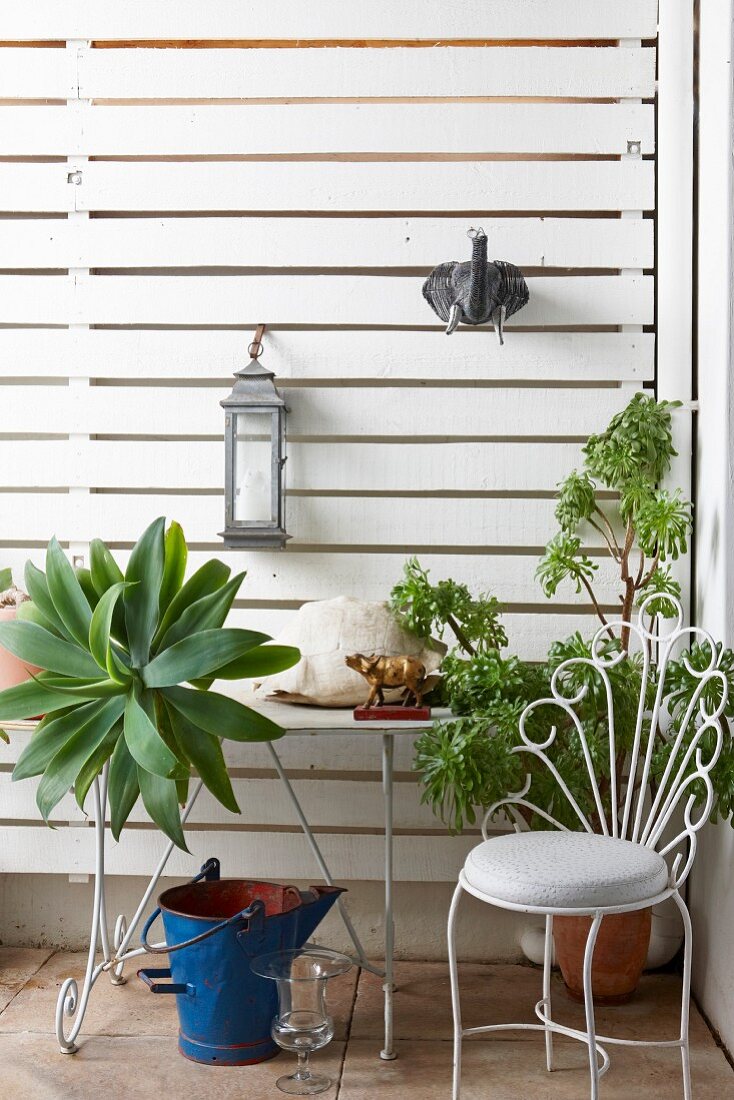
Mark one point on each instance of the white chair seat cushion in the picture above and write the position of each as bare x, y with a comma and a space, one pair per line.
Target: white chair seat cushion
565, 870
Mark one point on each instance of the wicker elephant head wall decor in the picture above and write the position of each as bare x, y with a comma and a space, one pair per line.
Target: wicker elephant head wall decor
476, 292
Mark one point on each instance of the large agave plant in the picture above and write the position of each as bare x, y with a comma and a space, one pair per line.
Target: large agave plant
117, 653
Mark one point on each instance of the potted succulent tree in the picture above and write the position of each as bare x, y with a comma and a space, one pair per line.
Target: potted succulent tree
127, 662
468, 764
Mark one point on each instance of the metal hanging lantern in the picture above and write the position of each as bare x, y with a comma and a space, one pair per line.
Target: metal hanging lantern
254, 442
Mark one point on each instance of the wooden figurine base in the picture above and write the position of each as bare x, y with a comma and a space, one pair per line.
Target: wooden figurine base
392, 714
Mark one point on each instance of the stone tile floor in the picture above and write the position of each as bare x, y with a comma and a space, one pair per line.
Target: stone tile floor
129, 1047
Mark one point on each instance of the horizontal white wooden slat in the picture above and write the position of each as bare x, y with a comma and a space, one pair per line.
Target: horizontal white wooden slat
379, 128
36, 463
38, 73
468, 412
331, 803
344, 521
36, 188
331, 19
400, 71
302, 299
37, 299
554, 356
320, 242
530, 634
293, 575
476, 186
28, 849
356, 467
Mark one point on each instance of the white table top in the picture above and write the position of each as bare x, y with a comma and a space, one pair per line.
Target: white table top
297, 719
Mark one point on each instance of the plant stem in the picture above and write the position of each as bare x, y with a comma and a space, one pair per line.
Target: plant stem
461, 636
651, 570
613, 544
594, 600
602, 532
638, 578
629, 585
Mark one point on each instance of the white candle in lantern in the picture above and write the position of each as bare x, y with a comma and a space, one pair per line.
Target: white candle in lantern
253, 496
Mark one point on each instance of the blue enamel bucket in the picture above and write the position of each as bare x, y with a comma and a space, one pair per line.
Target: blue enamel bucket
214, 927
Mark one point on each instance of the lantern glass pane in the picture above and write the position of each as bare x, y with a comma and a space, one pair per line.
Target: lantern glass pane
253, 468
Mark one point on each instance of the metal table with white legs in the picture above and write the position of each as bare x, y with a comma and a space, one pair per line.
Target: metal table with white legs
298, 721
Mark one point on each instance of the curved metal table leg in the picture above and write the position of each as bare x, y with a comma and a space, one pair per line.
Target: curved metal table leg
70, 1003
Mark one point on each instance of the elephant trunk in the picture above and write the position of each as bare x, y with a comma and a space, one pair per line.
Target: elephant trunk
479, 277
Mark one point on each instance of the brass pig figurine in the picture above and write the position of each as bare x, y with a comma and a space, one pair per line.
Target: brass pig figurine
390, 672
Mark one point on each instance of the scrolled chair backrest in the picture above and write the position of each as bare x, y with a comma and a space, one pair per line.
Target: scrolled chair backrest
636, 806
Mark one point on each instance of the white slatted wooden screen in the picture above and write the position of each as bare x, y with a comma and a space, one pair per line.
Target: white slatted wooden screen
174, 174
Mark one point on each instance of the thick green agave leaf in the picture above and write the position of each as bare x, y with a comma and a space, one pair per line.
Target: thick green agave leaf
29, 700
105, 572
91, 767
62, 770
204, 750
6, 579
104, 569
100, 629
33, 644
208, 613
76, 689
144, 573
220, 715
122, 787
49, 736
85, 583
211, 576
145, 742
264, 660
198, 655
160, 799
37, 588
174, 565
66, 593
28, 612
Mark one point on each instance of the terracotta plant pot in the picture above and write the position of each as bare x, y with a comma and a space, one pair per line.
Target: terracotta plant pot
619, 954
12, 670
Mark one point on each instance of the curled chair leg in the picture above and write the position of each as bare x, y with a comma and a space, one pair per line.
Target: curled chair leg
455, 1004
589, 1005
686, 996
547, 962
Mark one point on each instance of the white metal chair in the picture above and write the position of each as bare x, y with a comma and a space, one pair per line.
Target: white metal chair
618, 870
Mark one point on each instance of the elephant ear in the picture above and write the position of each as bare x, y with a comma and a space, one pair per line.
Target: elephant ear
439, 290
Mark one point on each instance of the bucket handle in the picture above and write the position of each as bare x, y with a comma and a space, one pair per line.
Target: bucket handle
209, 871
253, 910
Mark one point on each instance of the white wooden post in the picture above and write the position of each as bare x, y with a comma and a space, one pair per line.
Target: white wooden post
675, 238
79, 490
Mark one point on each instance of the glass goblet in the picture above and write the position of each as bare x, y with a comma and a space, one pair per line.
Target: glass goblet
303, 1023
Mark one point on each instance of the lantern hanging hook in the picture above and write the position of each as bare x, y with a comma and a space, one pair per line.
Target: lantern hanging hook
255, 349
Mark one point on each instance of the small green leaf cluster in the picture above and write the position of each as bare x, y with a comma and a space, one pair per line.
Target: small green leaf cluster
117, 651
563, 559
638, 443
426, 608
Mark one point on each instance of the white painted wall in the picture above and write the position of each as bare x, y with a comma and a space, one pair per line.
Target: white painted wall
312, 188
711, 893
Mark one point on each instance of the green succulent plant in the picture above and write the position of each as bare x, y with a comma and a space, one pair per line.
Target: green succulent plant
629, 458
127, 665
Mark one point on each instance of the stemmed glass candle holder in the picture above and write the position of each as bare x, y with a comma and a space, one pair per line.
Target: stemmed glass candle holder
303, 1023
